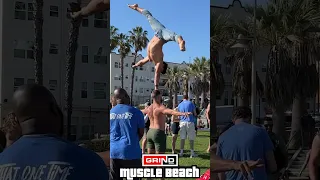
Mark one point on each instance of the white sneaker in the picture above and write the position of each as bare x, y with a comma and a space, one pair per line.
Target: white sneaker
193, 155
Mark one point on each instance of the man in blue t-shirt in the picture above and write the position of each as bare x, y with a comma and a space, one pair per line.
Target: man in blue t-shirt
244, 141
41, 153
187, 125
126, 130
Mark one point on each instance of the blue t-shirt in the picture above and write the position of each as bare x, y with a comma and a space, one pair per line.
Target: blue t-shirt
187, 106
125, 121
50, 157
244, 142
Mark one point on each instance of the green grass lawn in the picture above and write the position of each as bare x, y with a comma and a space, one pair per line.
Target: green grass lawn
201, 145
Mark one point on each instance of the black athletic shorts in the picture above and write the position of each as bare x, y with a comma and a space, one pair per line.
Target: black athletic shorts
175, 128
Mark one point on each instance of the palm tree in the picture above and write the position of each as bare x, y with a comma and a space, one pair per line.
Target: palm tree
123, 49
139, 40
113, 37
173, 84
70, 63
200, 69
185, 79
38, 43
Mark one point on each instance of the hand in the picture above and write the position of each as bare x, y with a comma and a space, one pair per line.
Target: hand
247, 166
187, 114
134, 66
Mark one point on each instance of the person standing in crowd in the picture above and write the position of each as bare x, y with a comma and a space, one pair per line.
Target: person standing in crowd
187, 126
208, 120
280, 149
146, 128
175, 130
252, 143
126, 130
41, 145
11, 129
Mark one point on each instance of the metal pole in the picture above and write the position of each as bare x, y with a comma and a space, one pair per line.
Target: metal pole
253, 68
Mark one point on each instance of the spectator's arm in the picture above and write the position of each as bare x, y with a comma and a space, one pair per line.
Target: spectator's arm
268, 149
219, 165
141, 124
144, 111
314, 158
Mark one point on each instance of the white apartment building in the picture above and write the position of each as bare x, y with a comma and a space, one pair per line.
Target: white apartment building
143, 80
91, 95
236, 11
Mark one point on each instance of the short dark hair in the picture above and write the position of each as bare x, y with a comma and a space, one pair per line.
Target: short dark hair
121, 96
164, 68
185, 96
241, 112
155, 93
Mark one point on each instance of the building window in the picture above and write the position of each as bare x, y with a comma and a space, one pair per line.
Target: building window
85, 54
141, 68
30, 11
84, 90
99, 90
136, 79
116, 65
127, 77
141, 90
54, 11
264, 68
17, 82
136, 90
85, 22
226, 100
232, 101
152, 69
23, 53
53, 85
147, 90
100, 59
31, 81
127, 65
101, 20
53, 49
20, 10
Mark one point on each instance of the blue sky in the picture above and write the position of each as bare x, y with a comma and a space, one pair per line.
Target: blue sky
225, 3
189, 18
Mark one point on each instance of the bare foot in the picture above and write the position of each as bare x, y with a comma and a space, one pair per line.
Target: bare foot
182, 45
134, 6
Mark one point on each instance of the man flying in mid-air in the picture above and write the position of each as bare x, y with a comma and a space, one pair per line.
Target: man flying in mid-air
154, 52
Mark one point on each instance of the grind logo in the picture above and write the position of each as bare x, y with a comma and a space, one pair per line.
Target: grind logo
53, 170
145, 172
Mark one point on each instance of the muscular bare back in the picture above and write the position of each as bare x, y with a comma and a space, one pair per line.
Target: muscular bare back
156, 117
155, 52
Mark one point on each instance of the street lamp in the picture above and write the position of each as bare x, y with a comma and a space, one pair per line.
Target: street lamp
243, 43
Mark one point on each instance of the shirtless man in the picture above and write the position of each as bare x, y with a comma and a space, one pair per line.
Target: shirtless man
162, 35
94, 6
156, 137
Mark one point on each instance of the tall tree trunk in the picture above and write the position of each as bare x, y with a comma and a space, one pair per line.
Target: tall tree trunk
70, 68
196, 99
243, 101
278, 117
203, 96
175, 99
298, 110
170, 103
132, 77
121, 66
38, 44
186, 87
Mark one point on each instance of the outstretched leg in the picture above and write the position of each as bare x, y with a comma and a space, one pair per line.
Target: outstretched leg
141, 62
94, 6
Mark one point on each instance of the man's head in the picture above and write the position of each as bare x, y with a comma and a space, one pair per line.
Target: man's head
11, 129
37, 110
121, 96
268, 124
156, 96
241, 113
164, 68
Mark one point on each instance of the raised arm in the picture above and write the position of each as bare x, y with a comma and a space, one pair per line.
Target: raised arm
94, 6
174, 113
